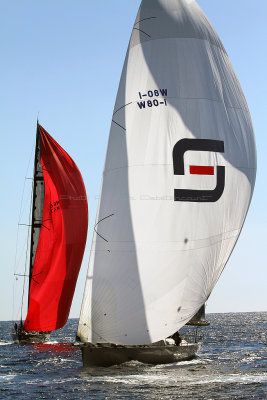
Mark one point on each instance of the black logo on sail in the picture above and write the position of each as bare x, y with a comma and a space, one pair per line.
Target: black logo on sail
178, 165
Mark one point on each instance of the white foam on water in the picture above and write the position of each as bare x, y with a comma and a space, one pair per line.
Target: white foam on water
251, 358
37, 382
5, 343
6, 378
56, 360
235, 378
130, 379
184, 380
133, 363
183, 363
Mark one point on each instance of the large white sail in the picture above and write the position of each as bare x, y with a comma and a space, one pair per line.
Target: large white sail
177, 183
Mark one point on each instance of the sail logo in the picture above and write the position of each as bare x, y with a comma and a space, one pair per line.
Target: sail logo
199, 196
54, 206
153, 98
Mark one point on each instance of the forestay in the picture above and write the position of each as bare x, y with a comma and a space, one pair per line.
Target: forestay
178, 179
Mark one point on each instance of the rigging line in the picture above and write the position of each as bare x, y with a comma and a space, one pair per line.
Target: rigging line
14, 269
21, 208
19, 218
34, 280
40, 220
28, 275
26, 205
108, 216
101, 236
45, 227
118, 125
125, 105
142, 32
21, 252
38, 273
21, 203
17, 260
144, 19
26, 259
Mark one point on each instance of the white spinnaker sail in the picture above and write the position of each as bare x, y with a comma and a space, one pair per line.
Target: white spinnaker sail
178, 179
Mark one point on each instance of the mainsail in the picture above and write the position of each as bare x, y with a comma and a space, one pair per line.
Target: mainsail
177, 183
59, 230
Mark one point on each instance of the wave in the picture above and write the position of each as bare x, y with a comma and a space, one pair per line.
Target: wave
182, 380
197, 361
235, 378
10, 377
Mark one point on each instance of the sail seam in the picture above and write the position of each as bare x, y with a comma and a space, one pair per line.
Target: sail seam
150, 165
180, 241
171, 251
180, 37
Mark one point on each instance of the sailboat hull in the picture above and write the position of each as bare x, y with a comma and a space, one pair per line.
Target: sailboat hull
22, 336
106, 355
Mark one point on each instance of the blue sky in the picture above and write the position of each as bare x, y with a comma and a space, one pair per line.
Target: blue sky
61, 60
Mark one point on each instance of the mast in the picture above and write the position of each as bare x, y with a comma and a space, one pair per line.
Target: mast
199, 319
37, 204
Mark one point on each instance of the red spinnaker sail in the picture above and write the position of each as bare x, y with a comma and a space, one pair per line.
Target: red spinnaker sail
61, 242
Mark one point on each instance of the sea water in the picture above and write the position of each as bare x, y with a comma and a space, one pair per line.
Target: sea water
232, 364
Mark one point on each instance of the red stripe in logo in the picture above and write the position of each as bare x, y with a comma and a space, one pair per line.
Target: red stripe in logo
201, 170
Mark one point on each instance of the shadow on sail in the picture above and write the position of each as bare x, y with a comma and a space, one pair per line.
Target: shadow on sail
113, 308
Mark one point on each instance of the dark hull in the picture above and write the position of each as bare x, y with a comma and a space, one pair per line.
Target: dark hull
22, 336
106, 355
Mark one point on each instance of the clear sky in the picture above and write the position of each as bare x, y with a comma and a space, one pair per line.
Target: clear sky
61, 60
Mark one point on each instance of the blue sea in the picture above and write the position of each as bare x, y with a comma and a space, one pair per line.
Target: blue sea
232, 364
